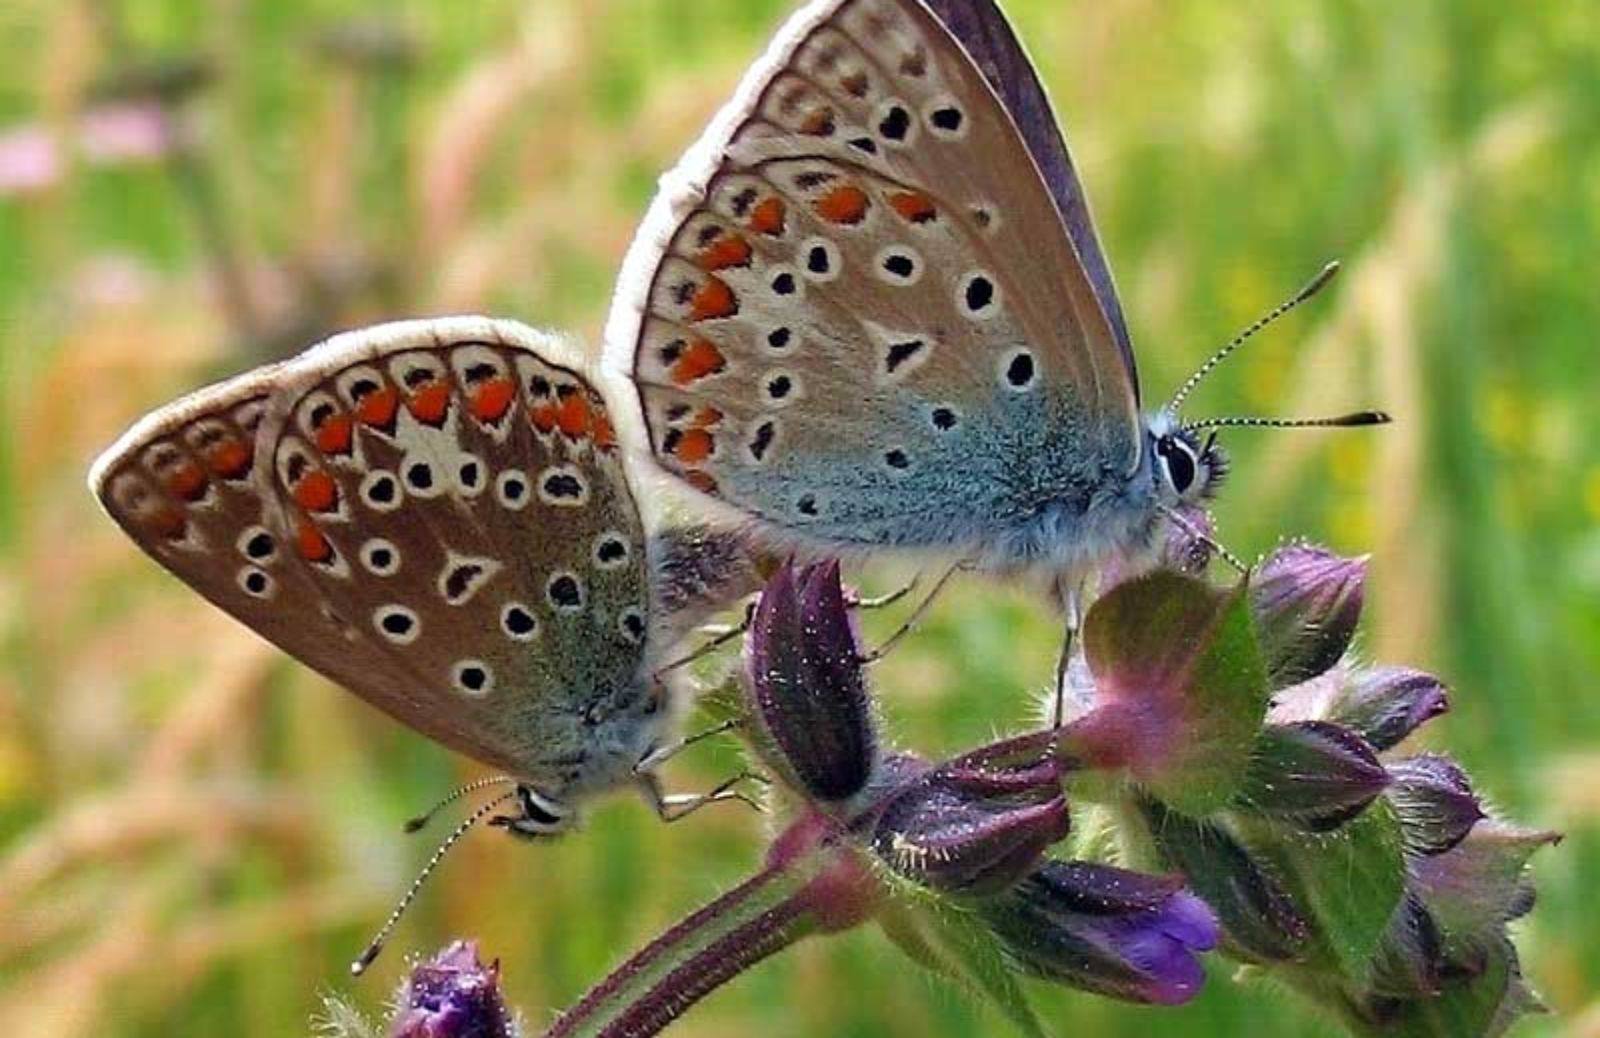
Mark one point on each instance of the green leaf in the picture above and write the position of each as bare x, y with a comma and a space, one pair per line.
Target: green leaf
1349, 880
1175, 660
956, 943
1483, 1006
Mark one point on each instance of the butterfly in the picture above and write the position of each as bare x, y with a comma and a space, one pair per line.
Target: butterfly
438, 516
869, 310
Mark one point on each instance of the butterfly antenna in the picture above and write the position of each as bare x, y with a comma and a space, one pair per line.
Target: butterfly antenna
374, 949
1354, 420
1312, 287
420, 822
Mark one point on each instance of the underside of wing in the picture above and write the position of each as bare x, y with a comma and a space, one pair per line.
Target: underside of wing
456, 493
854, 312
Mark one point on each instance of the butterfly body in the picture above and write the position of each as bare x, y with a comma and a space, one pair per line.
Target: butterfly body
869, 309
436, 515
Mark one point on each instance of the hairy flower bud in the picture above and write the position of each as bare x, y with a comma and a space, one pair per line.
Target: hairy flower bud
806, 687
978, 824
1107, 930
1434, 800
1313, 772
1306, 601
1386, 704
453, 995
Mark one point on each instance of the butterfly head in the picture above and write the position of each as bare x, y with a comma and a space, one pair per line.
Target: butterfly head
1187, 469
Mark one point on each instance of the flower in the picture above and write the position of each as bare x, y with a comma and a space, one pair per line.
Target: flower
1104, 929
453, 995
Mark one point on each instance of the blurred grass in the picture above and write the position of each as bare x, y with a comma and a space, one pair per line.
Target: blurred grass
195, 836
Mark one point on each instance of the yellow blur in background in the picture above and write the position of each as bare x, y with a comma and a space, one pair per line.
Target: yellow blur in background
196, 835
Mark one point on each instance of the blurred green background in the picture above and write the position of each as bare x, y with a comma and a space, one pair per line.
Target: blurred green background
196, 835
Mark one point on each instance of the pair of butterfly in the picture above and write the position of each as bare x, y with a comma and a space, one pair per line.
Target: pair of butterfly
867, 312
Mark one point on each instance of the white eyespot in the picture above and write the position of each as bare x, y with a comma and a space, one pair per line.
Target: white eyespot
784, 284
315, 409
946, 118
563, 486
518, 622
247, 416
411, 370
821, 260
986, 217
258, 545
380, 557
472, 677
1018, 371
899, 265
780, 340
257, 582
380, 491
422, 477
511, 490
978, 296
780, 388
397, 624
897, 461
611, 551
565, 592
470, 476
631, 624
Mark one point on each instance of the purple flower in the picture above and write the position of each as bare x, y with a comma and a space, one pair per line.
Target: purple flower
1107, 930
453, 995
806, 686
1306, 602
1314, 773
1435, 802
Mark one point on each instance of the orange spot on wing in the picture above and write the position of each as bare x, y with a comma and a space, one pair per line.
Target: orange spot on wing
769, 217
230, 459
701, 481
187, 482
820, 123
311, 543
378, 408
335, 434
170, 522
707, 418
727, 250
430, 403
492, 399
573, 416
715, 300
317, 492
698, 361
694, 446
605, 434
913, 206
845, 204
544, 417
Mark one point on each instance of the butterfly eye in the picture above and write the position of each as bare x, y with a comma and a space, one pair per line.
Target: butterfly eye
1178, 459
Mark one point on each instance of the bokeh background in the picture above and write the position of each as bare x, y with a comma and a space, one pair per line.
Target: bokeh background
196, 835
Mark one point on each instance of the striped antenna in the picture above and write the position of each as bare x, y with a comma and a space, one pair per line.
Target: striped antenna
1355, 420
1312, 287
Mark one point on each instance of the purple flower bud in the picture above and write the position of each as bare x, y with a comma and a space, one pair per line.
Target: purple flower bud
1316, 773
1434, 800
1387, 704
1261, 922
1410, 959
1479, 885
1306, 602
978, 824
805, 685
453, 995
1107, 930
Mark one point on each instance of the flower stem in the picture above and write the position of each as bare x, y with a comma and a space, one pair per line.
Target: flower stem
756, 919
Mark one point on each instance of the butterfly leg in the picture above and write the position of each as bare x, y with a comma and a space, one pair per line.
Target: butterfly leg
674, 807
917, 614
1072, 606
717, 641
661, 754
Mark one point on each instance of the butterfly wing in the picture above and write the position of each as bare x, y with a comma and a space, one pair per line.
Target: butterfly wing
454, 538
183, 485
986, 33
855, 312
